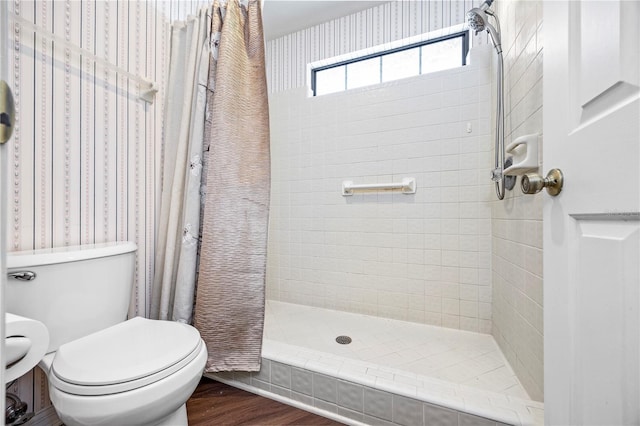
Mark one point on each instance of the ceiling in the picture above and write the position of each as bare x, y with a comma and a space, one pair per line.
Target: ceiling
281, 17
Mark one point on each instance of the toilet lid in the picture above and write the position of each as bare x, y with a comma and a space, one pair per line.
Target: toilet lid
136, 350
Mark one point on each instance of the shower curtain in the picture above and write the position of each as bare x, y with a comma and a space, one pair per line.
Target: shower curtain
172, 296
229, 309
216, 151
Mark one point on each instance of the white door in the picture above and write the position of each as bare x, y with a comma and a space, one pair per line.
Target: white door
592, 228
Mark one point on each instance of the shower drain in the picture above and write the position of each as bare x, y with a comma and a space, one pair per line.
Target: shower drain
343, 340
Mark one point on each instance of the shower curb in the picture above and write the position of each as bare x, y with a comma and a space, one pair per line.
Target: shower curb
224, 378
347, 401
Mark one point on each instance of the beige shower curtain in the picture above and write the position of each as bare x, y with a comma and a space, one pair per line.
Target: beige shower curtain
230, 295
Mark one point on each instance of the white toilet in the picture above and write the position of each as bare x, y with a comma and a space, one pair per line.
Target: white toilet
103, 370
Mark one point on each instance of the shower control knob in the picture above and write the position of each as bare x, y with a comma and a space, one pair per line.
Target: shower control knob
532, 183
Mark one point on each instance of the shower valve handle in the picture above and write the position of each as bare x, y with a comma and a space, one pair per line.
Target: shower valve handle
532, 183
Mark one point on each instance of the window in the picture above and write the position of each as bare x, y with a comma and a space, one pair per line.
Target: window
419, 58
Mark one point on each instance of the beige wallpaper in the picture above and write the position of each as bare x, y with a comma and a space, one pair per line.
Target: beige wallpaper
85, 157
86, 153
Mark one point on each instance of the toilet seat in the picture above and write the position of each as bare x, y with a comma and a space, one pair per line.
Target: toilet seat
124, 357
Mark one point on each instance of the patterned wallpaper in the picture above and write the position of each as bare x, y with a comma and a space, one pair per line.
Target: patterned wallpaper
85, 158
86, 153
288, 56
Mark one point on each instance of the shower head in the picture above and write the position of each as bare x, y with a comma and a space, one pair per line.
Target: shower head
478, 20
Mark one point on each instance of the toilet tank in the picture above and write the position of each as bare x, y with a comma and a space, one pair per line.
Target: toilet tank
76, 290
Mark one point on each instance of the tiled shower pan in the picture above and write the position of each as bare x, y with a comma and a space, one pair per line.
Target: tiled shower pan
392, 373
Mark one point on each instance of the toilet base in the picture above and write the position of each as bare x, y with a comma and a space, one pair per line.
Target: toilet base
177, 418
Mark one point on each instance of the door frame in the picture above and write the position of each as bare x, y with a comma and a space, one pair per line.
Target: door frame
4, 31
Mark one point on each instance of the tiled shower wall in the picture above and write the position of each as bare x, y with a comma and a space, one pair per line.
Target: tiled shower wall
86, 152
517, 221
422, 257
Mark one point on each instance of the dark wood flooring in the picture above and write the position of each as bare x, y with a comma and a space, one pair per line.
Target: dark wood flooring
214, 403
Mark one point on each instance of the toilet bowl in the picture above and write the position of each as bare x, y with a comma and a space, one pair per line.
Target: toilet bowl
103, 370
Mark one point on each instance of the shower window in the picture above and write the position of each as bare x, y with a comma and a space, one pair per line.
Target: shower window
419, 58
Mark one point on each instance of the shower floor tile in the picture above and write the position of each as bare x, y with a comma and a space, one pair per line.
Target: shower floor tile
455, 356
411, 358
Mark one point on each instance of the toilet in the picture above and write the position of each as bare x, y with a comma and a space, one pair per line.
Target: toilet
103, 369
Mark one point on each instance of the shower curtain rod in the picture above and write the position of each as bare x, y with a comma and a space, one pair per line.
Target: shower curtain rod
148, 89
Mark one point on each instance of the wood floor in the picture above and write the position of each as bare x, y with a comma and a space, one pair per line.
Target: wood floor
214, 403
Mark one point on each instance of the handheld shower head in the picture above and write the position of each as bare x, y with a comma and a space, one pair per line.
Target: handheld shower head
478, 20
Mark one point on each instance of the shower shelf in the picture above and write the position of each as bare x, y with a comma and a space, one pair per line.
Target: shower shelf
408, 186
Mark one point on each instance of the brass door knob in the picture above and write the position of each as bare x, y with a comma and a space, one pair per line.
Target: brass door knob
7, 112
532, 183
